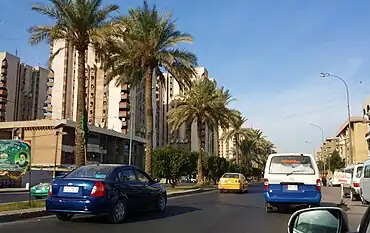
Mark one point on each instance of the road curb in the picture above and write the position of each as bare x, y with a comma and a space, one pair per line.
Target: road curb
22, 216
12, 217
199, 190
14, 191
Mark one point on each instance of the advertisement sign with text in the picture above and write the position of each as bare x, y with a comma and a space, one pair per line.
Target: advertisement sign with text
342, 177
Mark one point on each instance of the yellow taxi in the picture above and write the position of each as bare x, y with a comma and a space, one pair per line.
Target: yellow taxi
233, 182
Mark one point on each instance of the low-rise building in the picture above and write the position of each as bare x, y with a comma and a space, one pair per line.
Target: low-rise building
53, 143
359, 127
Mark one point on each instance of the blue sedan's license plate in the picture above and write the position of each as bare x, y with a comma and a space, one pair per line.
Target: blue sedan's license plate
70, 189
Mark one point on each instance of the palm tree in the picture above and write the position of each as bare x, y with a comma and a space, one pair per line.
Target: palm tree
75, 21
255, 147
144, 46
205, 104
236, 132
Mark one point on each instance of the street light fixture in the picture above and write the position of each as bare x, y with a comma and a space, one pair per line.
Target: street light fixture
313, 147
326, 75
322, 138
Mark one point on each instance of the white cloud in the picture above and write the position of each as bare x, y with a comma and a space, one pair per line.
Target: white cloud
285, 118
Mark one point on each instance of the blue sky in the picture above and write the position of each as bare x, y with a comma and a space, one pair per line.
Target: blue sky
268, 53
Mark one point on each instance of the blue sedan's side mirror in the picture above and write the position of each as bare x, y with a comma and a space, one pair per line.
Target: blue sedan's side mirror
320, 219
156, 180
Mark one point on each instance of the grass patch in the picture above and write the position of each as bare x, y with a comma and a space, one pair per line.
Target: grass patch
182, 188
188, 187
22, 205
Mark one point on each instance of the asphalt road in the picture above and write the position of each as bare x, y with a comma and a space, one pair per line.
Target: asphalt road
201, 213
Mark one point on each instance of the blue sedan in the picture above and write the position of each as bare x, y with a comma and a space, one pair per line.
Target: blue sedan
106, 189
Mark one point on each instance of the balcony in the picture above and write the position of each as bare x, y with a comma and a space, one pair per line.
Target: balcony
124, 105
125, 87
4, 71
49, 92
47, 101
3, 100
123, 114
50, 84
124, 124
3, 77
124, 96
3, 92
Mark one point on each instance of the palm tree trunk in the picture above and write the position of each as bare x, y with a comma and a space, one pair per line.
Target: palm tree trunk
237, 150
81, 104
200, 159
149, 119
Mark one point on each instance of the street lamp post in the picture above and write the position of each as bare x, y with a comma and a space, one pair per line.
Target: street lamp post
313, 147
57, 133
324, 75
322, 139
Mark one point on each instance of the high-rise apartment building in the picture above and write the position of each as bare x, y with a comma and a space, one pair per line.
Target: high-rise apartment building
108, 106
226, 148
22, 89
185, 137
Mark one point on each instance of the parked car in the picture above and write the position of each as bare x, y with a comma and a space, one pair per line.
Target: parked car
353, 188
365, 183
112, 190
233, 182
40, 190
291, 179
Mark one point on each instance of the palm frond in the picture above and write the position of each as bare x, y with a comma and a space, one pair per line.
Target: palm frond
51, 58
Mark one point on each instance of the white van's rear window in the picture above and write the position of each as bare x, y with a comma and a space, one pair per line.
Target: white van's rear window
292, 164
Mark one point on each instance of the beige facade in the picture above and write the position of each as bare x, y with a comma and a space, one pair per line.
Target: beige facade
366, 116
23, 89
330, 145
186, 137
108, 105
359, 127
226, 148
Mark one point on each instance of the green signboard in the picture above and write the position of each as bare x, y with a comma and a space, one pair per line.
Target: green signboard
15, 158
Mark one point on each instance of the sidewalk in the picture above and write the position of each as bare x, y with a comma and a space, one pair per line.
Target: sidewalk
355, 210
13, 190
330, 196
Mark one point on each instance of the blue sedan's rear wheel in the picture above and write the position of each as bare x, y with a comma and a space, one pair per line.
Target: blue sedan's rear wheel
118, 213
64, 216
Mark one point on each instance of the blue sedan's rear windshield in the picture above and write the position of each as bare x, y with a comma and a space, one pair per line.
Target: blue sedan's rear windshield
292, 164
96, 172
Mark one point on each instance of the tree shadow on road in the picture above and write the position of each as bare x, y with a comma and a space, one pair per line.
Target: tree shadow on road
141, 216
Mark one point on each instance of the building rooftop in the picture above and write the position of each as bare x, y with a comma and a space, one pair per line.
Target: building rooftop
354, 119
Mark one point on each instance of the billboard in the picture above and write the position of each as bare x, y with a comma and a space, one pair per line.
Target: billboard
15, 158
342, 178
